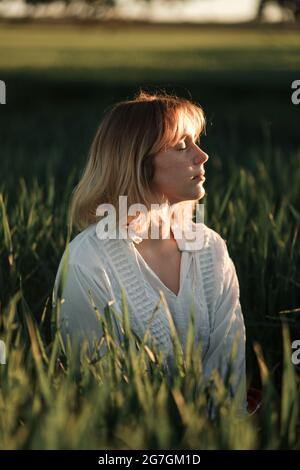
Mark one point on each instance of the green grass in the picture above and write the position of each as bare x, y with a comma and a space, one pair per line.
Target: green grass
59, 80
103, 53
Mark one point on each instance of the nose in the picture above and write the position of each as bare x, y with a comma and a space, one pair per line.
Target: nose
200, 156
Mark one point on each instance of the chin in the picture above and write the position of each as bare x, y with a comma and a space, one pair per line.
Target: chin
197, 194
200, 193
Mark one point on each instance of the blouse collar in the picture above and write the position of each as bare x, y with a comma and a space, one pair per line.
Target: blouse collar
190, 240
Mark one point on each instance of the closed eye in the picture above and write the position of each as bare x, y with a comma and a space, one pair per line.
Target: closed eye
180, 149
186, 141
197, 142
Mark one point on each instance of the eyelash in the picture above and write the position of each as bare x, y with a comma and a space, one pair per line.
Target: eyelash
187, 146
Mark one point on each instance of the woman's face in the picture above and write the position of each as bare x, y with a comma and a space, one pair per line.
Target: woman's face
176, 167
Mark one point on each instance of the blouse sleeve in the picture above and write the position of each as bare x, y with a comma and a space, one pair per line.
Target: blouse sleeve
83, 293
227, 338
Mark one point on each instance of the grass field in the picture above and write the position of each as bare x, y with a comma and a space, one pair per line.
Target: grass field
59, 81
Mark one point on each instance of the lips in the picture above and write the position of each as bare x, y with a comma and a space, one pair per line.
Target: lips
198, 176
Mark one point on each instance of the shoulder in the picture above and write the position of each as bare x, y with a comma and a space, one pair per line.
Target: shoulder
215, 253
224, 266
83, 256
83, 264
213, 241
85, 249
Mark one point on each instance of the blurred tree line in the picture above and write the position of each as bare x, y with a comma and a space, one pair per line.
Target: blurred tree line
105, 3
291, 5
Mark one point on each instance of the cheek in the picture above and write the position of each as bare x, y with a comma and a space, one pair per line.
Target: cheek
168, 171
166, 175
169, 166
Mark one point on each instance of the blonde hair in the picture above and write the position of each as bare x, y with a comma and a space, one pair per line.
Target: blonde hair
121, 155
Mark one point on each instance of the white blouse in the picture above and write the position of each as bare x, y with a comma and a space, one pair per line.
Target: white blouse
99, 269
180, 305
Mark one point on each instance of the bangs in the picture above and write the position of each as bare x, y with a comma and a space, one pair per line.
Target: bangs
183, 119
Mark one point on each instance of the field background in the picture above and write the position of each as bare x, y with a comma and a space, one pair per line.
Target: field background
60, 79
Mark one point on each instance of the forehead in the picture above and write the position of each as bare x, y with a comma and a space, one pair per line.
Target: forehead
186, 125
178, 124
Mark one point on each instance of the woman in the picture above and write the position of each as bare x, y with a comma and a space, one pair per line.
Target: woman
148, 150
